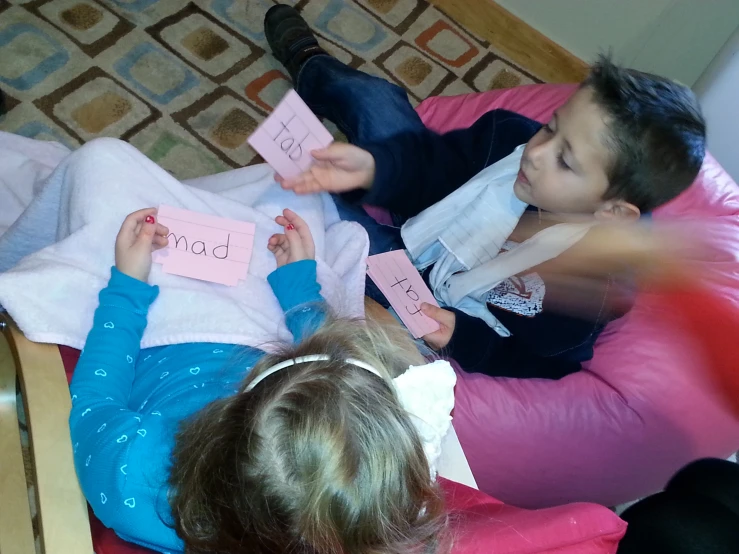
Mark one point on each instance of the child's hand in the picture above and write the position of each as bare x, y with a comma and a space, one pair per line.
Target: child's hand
446, 320
340, 167
140, 234
295, 244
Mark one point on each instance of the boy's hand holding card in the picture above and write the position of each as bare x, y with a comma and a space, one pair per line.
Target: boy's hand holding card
402, 285
447, 321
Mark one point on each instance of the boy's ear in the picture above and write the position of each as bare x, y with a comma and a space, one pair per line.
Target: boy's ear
617, 210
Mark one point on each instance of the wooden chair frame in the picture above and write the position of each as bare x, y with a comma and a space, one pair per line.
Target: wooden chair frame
64, 526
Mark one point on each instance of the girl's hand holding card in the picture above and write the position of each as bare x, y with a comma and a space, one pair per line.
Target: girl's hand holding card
139, 236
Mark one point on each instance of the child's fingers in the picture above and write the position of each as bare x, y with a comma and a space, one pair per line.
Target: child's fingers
321, 163
436, 340
277, 241
307, 183
146, 237
160, 241
292, 233
162, 230
327, 154
444, 317
278, 245
147, 234
294, 242
290, 218
134, 220
431, 311
293, 218
292, 183
300, 226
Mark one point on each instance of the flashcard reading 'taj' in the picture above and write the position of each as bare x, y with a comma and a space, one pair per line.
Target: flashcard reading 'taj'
402, 285
288, 136
205, 247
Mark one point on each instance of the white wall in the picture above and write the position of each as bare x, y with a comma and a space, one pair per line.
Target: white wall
716, 90
675, 38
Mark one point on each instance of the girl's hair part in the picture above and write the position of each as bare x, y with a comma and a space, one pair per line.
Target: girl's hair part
319, 458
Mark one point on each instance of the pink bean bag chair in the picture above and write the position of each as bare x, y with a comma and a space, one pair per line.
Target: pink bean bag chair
641, 409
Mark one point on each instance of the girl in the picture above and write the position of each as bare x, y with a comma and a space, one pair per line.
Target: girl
223, 448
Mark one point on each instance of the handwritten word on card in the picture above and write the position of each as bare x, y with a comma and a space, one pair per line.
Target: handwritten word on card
402, 285
205, 247
287, 137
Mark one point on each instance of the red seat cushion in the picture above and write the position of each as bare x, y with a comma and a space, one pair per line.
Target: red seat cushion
69, 359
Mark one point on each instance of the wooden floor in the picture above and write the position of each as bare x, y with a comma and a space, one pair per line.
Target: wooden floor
520, 42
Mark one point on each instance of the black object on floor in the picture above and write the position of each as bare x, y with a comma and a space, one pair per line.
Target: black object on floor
698, 513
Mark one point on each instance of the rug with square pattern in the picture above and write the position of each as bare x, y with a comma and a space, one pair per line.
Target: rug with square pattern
187, 82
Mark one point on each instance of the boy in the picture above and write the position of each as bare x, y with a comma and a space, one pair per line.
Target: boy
625, 143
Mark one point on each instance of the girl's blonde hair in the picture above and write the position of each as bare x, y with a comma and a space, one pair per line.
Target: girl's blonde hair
319, 458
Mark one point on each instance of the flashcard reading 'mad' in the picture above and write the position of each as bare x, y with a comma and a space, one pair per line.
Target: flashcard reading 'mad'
287, 137
205, 247
402, 285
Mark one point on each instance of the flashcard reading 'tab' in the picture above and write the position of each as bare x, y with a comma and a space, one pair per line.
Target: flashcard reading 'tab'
288, 136
402, 285
205, 247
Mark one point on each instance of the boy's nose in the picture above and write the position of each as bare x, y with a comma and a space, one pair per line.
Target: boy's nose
530, 161
533, 158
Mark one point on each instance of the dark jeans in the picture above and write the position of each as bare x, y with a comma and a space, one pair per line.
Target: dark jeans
698, 513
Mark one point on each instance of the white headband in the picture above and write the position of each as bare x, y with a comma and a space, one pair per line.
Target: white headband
304, 359
426, 392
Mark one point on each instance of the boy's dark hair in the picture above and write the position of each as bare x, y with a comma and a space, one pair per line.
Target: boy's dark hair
658, 134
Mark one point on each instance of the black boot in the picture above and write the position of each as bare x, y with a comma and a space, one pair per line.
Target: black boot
290, 38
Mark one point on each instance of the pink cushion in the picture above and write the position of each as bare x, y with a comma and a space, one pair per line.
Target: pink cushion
643, 409
446, 113
481, 524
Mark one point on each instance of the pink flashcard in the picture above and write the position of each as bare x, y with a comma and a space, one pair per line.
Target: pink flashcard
287, 137
404, 288
205, 247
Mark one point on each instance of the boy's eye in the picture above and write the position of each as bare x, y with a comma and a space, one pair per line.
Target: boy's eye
548, 128
561, 161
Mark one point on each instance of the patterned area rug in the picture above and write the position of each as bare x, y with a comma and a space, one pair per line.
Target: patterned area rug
186, 83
